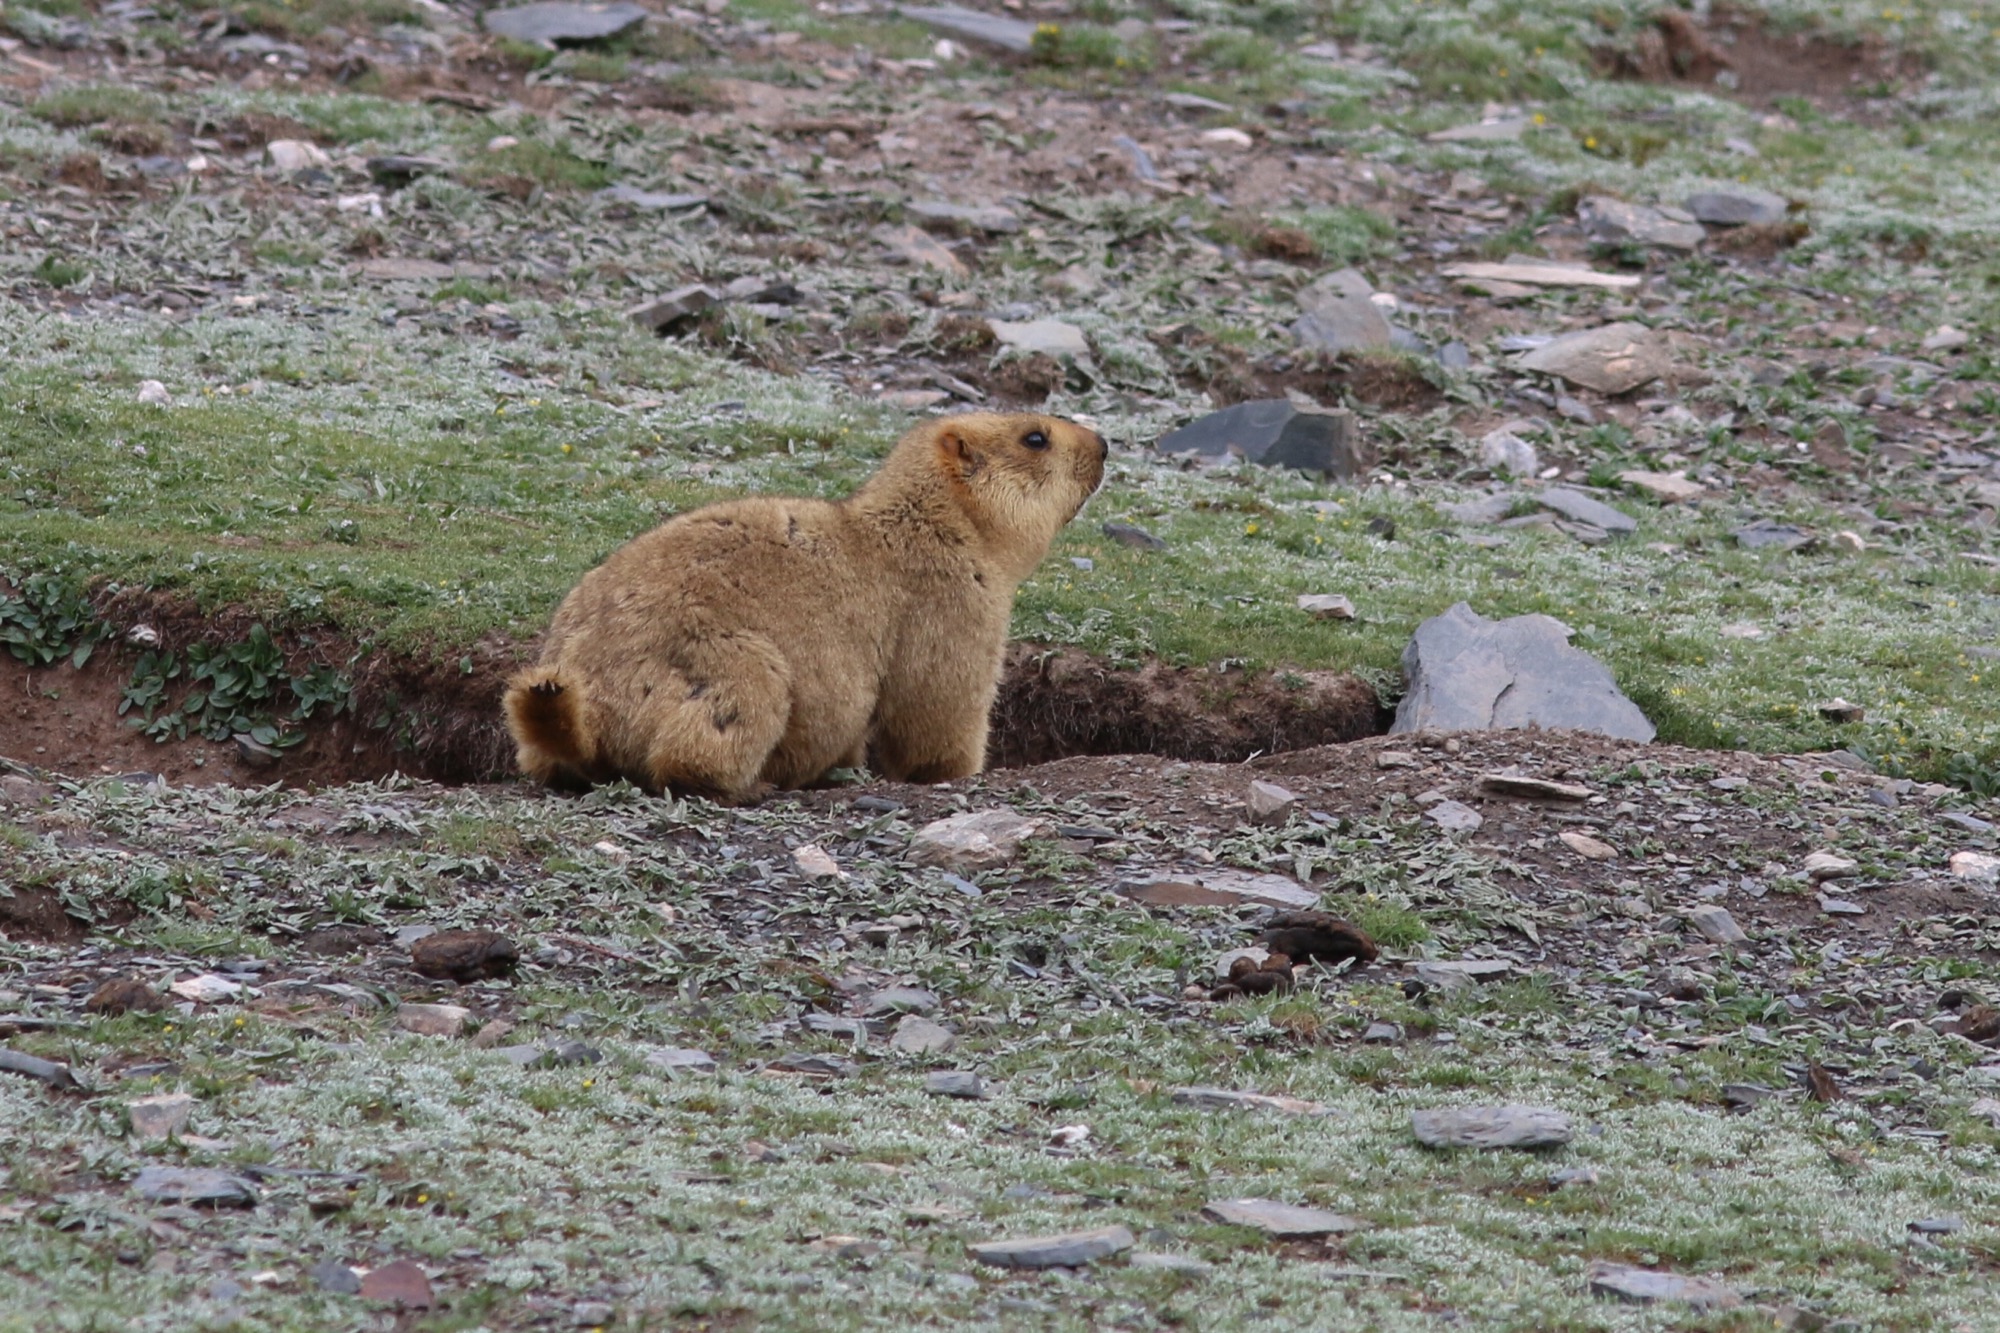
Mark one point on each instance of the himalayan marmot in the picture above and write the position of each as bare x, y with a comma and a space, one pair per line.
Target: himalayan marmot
764, 642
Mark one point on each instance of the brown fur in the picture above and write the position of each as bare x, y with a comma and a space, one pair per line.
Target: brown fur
764, 642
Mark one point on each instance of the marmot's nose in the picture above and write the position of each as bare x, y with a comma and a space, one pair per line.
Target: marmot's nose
1103, 449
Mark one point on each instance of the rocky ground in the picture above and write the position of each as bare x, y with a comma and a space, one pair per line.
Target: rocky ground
345, 335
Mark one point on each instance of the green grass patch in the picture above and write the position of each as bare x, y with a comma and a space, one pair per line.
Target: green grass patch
96, 103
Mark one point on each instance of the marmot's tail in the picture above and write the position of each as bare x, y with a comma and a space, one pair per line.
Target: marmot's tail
547, 719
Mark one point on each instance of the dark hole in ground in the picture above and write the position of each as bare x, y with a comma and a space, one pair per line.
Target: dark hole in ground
440, 719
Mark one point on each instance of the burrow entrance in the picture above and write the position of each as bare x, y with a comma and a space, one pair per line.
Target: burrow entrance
440, 719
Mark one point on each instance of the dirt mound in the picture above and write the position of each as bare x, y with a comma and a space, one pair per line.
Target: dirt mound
1753, 63
440, 718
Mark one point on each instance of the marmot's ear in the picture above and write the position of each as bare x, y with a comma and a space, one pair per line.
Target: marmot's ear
959, 453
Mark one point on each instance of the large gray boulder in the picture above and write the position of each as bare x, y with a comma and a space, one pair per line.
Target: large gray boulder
1467, 673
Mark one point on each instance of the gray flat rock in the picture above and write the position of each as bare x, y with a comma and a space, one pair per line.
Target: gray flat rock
651, 201
991, 219
1612, 359
920, 1036
1616, 222
1764, 534
987, 29
1070, 1250
1716, 925
1283, 1221
1462, 974
1185, 1264
553, 23
196, 1186
900, 1000
663, 312
1577, 505
1486, 509
1218, 888
1137, 538
1276, 432
1467, 673
1050, 337
1339, 315
1491, 1127
1643, 1286
955, 1083
1737, 206
1230, 1099
1455, 817
1505, 130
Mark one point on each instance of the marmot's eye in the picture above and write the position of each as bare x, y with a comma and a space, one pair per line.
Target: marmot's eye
1034, 439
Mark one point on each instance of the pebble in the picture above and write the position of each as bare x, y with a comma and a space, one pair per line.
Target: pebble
813, 862
1535, 789
332, 1276
433, 1020
1840, 907
1643, 1286
1947, 1225
1492, 1127
1070, 1250
955, 1083
978, 840
1716, 925
1382, 1034
1823, 866
1667, 487
920, 1036
1326, 606
1613, 359
1186, 1265
1501, 450
681, 1059
1455, 817
160, 1115
1282, 1221
205, 989
1737, 205
1127, 535
1588, 847
900, 1000
194, 1186
1978, 866
1049, 337
152, 393
1269, 803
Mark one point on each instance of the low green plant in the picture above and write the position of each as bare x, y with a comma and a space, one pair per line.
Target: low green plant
49, 617
234, 688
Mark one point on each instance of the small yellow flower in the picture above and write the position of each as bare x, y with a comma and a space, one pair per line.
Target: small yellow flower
1250, 529
423, 1198
1541, 119
569, 448
590, 1083
1590, 141
240, 1019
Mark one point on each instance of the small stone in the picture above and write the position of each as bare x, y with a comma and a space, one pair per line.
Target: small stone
1186, 1265
1615, 222
1462, 974
1764, 534
1534, 789
1326, 606
552, 23
1945, 338
813, 862
1519, 277
1049, 337
913, 245
1576, 505
152, 393
913, 400
900, 1000
1950, 1224
1281, 1221
254, 753
1484, 510
1666, 487
1269, 803
955, 1083
680, 1060
464, 956
1455, 817
1614, 359
1716, 925
1643, 1286
290, 155
1382, 1034
1738, 206
194, 1187
1228, 136
1839, 710
1840, 907
1397, 759
1501, 450
1000, 221
683, 303
1745, 1096
920, 1036
1127, 535
650, 201
1573, 1175
1276, 432
978, 840
1504, 129
161, 1115
1492, 1127
1071, 1250
1978, 866
565, 1054
1341, 314
393, 169
205, 989
1970, 823
433, 1020
592, 1314
1741, 629
1230, 1099
1987, 1109
337, 1278
970, 25
1588, 847
1823, 866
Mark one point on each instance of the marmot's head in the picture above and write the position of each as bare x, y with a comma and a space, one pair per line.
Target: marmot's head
1026, 473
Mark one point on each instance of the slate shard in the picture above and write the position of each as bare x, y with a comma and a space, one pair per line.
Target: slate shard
1613, 359
1341, 315
552, 23
1071, 1250
1276, 432
1467, 673
970, 25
